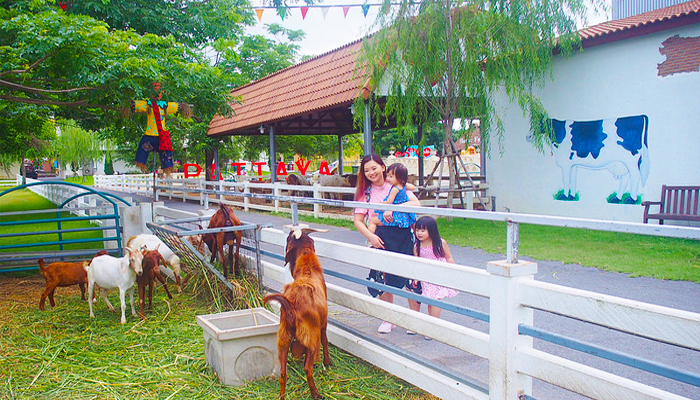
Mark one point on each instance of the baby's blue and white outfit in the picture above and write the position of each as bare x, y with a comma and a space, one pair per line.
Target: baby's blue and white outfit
401, 219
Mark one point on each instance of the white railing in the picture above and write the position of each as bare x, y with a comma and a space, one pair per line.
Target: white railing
513, 296
89, 205
195, 189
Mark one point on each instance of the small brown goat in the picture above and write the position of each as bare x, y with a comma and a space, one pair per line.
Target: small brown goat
62, 274
304, 309
152, 259
224, 217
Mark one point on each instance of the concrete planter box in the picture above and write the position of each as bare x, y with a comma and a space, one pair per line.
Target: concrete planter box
241, 345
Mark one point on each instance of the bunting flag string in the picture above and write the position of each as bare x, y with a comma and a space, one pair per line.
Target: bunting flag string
283, 12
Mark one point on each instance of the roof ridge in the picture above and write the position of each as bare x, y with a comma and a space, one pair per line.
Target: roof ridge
639, 20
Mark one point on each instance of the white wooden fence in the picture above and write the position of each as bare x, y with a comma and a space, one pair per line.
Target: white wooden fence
196, 189
513, 296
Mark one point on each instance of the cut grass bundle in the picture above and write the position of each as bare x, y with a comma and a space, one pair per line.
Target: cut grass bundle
62, 353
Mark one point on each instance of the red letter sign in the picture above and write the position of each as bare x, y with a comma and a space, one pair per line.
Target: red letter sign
302, 167
187, 174
323, 169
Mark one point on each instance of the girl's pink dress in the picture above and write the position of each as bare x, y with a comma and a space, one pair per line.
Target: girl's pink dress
431, 290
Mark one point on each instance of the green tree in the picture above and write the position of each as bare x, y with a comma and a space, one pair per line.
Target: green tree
445, 59
109, 166
76, 146
25, 133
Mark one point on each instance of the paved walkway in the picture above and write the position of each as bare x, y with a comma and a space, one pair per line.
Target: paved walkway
675, 294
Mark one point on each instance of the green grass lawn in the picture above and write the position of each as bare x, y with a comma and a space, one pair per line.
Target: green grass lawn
24, 199
637, 255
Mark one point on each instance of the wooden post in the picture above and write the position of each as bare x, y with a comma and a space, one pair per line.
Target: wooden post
506, 313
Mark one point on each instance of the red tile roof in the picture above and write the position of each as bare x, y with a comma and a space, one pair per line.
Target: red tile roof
305, 93
641, 24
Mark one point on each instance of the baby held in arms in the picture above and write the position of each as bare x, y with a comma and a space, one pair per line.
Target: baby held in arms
397, 176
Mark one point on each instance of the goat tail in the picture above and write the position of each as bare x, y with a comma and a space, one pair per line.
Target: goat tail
42, 268
287, 312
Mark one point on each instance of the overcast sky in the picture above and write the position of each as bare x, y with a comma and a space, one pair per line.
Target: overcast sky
336, 30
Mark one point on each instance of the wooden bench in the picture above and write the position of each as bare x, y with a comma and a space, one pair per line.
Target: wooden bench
678, 203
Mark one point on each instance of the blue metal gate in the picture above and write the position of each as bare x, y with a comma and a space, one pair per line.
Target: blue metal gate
19, 256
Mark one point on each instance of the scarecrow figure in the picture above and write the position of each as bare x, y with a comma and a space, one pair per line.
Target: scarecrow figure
156, 137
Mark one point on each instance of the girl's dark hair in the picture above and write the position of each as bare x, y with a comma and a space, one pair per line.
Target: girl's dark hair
362, 182
400, 172
429, 224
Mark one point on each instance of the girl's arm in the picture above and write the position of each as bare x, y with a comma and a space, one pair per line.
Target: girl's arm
415, 249
392, 195
374, 240
448, 255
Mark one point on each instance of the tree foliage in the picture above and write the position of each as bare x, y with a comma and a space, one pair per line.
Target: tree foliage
88, 62
76, 146
445, 59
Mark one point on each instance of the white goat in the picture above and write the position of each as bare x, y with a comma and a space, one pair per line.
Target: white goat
110, 272
171, 259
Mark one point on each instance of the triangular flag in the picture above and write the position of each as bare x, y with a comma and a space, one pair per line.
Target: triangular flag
282, 11
304, 10
259, 11
345, 11
324, 11
365, 9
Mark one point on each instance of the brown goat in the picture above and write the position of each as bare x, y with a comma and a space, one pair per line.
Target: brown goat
224, 217
63, 274
304, 310
298, 180
152, 259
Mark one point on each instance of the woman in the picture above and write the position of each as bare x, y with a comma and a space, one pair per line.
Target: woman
373, 188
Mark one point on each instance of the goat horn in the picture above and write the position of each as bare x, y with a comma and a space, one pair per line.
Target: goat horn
303, 228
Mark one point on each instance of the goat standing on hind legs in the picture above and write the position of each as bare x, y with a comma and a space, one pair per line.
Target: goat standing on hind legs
222, 218
304, 309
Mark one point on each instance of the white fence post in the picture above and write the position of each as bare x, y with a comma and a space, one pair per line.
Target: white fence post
506, 313
276, 192
317, 195
246, 190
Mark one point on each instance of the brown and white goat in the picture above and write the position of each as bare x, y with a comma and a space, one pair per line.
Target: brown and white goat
152, 259
171, 259
304, 309
224, 217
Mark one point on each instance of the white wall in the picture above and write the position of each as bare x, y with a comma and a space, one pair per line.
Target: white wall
608, 81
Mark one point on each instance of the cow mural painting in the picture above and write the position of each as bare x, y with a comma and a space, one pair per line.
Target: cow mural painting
617, 145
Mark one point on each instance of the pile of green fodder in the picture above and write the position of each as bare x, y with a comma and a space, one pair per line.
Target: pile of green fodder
63, 353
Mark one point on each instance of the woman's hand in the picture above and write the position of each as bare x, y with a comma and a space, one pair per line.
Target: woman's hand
376, 241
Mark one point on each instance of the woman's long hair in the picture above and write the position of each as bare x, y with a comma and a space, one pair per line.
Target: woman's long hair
429, 224
362, 182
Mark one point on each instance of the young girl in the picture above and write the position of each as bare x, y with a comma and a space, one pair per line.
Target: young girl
396, 176
430, 245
